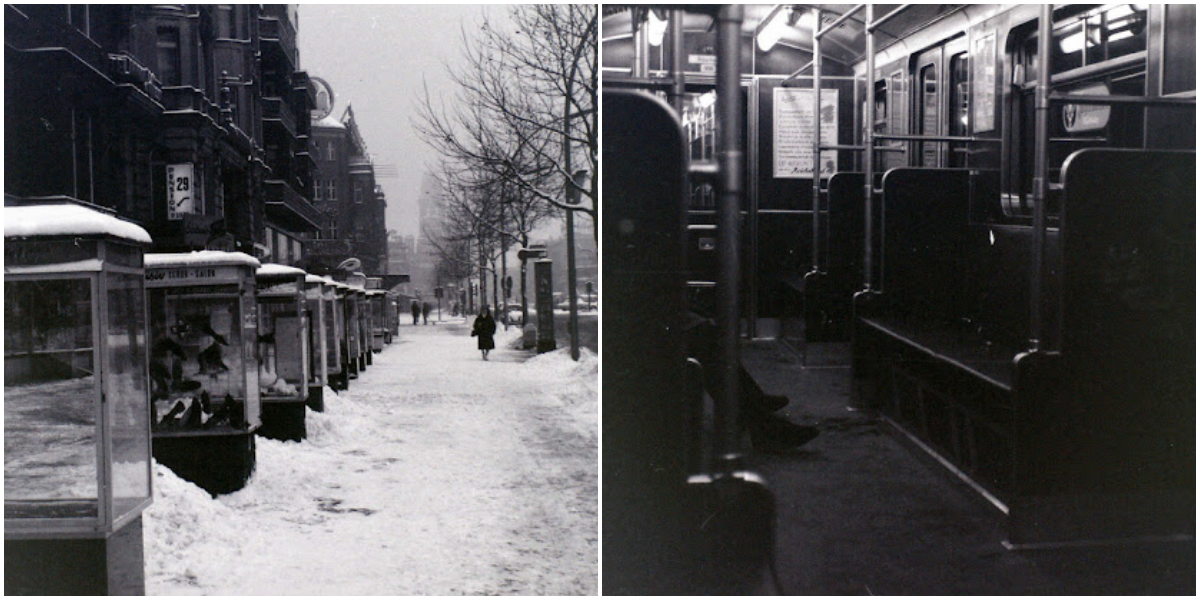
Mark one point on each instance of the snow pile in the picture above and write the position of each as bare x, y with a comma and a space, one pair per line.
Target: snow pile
344, 419
558, 366
574, 384
194, 544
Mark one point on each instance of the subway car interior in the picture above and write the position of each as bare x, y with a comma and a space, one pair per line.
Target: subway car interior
900, 299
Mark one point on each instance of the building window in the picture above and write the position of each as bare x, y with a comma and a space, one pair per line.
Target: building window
331, 190
81, 132
358, 192
226, 24
330, 151
283, 246
169, 67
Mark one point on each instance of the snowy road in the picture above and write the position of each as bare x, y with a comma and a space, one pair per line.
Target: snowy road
437, 473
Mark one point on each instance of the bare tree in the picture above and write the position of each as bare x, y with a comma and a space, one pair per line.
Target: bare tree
525, 112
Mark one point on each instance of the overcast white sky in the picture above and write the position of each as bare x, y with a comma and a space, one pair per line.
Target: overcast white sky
375, 57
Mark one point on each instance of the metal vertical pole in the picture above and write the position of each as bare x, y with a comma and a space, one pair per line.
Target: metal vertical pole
641, 65
816, 171
730, 159
1041, 168
678, 87
869, 152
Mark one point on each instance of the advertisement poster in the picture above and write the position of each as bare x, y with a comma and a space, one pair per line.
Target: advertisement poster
793, 132
983, 61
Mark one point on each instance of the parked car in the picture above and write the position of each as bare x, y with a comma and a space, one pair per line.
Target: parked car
513, 311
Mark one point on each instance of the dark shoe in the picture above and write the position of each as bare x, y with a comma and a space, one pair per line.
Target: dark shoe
775, 435
773, 403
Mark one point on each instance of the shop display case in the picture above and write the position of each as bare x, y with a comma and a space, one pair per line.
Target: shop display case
362, 316
204, 372
283, 350
353, 332
336, 361
364, 328
377, 298
391, 314
316, 309
77, 469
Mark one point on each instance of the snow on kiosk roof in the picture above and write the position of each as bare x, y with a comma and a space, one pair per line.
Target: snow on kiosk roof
201, 258
45, 220
277, 270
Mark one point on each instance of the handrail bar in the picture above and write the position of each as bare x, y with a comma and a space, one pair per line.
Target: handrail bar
797, 72
1090, 99
873, 25
933, 138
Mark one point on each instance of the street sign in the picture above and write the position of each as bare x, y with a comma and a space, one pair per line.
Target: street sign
531, 253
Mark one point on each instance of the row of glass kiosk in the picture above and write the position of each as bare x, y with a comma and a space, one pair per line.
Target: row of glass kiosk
113, 355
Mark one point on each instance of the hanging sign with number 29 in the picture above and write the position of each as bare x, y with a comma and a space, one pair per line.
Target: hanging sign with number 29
181, 198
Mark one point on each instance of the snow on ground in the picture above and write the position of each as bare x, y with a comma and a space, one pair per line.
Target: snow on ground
437, 473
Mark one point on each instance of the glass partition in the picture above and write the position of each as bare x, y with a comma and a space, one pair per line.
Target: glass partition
50, 400
125, 391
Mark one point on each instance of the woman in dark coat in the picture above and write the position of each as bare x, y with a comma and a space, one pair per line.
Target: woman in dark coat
484, 329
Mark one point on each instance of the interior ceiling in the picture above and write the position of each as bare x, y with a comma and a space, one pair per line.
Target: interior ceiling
845, 44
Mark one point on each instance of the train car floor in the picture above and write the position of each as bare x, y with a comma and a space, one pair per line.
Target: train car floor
863, 511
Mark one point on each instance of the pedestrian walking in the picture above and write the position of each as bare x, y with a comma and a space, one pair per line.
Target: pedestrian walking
425, 308
416, 312
484, 329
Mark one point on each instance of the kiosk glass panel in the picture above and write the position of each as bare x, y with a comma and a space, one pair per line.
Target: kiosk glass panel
333, 324
50, 408
126, 392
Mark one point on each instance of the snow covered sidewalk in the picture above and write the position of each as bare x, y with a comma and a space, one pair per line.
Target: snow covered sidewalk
437, 473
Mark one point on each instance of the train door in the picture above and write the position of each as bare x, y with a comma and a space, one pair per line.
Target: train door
928, 106
939, 103
958, 116
890, 116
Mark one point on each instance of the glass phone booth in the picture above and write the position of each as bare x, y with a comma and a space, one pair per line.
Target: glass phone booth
204, 366
77, 471
318, 372
283, 351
